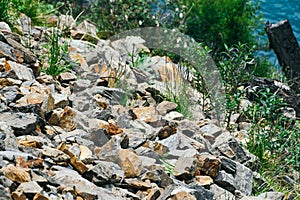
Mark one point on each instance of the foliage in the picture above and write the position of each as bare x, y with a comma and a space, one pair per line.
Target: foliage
4, 11
274, 139
57, 55
221, 22
235, 68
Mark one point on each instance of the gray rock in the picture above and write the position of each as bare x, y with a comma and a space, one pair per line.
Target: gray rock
30, 187
4, 26
11, 93
60, 100
21, 123
211, 131
4, 194
22, 72
166, 107
220, 193
272, 195
241, 180
185, 168
71, 179
104, 173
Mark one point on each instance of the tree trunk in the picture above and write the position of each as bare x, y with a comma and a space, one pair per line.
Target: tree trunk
285, 45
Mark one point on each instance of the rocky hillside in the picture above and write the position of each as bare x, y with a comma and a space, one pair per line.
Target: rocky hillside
99, 130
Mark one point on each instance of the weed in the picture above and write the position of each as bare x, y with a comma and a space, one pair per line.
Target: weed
57, 54
168, 166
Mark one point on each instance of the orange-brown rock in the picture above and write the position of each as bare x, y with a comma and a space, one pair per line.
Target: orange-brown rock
209, 165
31, 143
130, 163
39, 196
75, 162
17, 174
147, 114
204, 180
183, 195
18, 195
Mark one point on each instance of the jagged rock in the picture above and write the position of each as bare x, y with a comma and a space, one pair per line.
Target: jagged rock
4, 194
158, 176
137, 184
204, 180
24, 24
146, 114
220, 193
30, 188
182, 195
66, 77
185, 168
125, 194
168, 129
4, 26
22, 72
11, 93
104, 172
130, 163
109, 151
66, 22
55, 154
67, 119
60, 100
18, 195
173, 115
21, 123
180, 143
272, 195
211, 132
209, 164
68, 178
166, 107
17, 174
241, 180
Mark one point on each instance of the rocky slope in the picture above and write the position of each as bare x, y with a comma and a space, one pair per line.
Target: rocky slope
101, 131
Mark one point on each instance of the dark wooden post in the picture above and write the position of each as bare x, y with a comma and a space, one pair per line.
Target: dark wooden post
285, 45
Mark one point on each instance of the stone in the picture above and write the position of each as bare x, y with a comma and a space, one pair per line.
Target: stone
11, 93
30, 143
241, 180
109, 151
4, 194
185, 168
146, 114
75, 162
24, 23
55, 154
165, 107
67, 77
68, 178
272, 195
60, 100
182, 195
100, 101
209, 165
66, 22
30, 187
204, 180
124, 194
22, 72
168, 129
138, 184
18, 195
130, 163
17, 174
4, 26
220, 193
211, 131
67, 119
39, 196
104, 172
21, 123
173, 115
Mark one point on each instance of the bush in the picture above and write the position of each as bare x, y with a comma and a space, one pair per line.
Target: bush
221, 22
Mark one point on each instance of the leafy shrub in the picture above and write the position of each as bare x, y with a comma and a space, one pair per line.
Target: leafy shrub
4, 14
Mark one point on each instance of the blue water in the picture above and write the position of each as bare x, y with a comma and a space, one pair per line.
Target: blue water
276, 10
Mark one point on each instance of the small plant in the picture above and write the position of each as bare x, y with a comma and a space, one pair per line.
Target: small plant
168, 166
57, 55
4, 11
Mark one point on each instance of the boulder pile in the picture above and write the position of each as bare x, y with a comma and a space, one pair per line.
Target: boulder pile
101, 130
